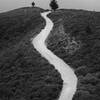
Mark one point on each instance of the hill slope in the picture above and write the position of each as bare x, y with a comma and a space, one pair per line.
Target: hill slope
25, 75
76, 39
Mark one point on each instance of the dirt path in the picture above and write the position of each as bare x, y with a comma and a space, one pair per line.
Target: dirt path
68, 76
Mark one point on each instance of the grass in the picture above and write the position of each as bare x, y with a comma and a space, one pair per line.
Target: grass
75, 38
25, 75
23, 72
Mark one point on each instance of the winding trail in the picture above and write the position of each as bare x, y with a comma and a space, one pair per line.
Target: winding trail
67, 74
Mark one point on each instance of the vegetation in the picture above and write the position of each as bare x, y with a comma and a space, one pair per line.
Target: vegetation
25, 75
33, 3
53, 5
76, 39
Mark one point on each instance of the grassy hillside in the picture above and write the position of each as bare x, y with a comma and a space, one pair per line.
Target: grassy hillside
17, 23
76, 39
25, 75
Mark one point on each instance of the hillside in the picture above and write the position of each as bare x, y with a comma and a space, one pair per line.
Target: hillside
25, 75
76, 39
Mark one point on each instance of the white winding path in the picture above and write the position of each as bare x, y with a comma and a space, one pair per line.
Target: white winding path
67, 74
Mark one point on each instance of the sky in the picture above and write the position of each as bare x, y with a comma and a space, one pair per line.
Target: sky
6, 5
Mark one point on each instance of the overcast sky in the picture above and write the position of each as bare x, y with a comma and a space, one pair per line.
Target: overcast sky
6, 5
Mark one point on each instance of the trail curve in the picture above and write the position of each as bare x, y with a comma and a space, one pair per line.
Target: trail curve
67, 74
